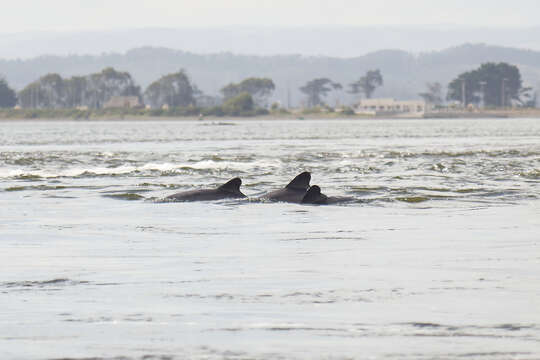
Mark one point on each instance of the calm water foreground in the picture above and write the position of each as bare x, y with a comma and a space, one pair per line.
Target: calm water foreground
439, 258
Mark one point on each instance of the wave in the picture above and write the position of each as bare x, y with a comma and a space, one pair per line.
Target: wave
205, 166
125, 196
531, 174
41, 283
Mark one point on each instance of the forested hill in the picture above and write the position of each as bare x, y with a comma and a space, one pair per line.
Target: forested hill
404, 74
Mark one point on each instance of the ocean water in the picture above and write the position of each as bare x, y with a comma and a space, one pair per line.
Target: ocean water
437, 258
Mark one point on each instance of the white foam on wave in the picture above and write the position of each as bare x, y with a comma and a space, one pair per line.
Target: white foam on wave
7, 173
212, 165
73, 172
159, 167
232, 165
127, 169
123, 169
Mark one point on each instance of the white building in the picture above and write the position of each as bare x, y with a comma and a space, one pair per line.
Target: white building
391, 107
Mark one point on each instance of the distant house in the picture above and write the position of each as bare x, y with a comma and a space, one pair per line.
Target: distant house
123, 102
391, 107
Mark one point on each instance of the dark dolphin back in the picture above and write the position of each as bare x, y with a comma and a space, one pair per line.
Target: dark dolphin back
232, 186
300, 182
314, 196
293, 192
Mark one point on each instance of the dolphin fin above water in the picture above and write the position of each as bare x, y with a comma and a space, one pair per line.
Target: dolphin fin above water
296, 191
293, 192
300, 182
314, 196
229, 190
232, 186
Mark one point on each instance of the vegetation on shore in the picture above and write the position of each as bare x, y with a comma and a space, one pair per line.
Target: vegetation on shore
8, 97
113, 94
175, 90
235, 110
492, 84
225, 110
217, 113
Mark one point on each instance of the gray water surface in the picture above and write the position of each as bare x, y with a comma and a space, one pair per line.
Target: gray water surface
437, 258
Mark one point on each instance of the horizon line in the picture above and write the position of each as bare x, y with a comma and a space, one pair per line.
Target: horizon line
125, 52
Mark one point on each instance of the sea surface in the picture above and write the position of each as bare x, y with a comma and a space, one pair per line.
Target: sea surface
438, 257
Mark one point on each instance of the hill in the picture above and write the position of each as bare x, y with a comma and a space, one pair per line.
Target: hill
335, 41
405, 74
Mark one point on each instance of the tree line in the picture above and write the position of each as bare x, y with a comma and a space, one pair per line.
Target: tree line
92, 91
317, 89
172, 90
492, 84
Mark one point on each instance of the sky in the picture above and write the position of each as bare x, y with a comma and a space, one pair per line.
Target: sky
80, 15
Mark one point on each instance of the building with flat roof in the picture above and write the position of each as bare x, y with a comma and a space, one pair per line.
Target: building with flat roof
391, 107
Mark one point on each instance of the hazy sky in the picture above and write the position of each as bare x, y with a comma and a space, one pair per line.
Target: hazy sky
24, 15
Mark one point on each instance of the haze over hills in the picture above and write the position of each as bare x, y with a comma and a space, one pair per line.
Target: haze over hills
405, 74
333, 41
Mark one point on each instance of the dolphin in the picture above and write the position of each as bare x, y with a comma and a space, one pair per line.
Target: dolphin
294, 192
315, 196
229, 190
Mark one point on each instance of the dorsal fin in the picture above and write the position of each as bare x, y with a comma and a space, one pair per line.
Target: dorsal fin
232, 186
313, 195
300, 182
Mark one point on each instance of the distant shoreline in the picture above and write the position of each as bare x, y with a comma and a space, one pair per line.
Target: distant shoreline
135, 115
